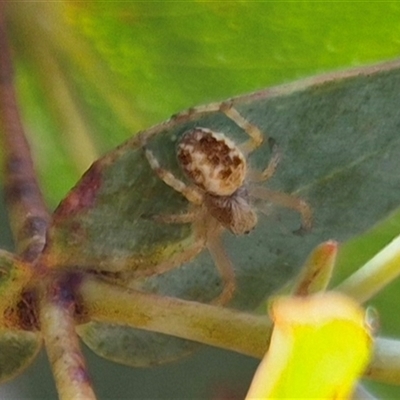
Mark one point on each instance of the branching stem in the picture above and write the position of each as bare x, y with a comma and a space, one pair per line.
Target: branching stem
28, 213
230, 329
217, 326
29, 220
373, 276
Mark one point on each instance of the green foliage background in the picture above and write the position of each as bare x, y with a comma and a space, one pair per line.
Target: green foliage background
91, 74
128, 65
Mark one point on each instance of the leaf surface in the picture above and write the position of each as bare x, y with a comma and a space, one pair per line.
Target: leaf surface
339, 140
17, 351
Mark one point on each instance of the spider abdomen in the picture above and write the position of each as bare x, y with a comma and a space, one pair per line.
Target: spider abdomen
212, 161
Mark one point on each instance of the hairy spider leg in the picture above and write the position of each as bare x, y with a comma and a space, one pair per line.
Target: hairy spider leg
255, 141
209, 236
269, 171
188, 253
227, 108
223, 264
190, 192
288, 201
256, 136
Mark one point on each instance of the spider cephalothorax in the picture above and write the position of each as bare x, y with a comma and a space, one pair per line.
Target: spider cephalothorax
220, 189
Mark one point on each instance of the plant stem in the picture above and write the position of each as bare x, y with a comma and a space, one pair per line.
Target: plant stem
373, 276
212, 325
57, 313
362, 394
229, 329
29, 220
29, 217
385, 365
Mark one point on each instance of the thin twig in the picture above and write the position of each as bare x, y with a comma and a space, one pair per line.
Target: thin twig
29, 219
28, 213
217, 326
375, 274
57, 314
230, 329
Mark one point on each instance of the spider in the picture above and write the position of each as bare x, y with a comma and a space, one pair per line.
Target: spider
221, 189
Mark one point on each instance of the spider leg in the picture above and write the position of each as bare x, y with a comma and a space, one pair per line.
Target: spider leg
269, 171
187, 253
224, 266
208, 235
190, 192
256, 136
288, 201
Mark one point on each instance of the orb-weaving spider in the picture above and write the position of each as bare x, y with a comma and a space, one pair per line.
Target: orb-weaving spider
221, 189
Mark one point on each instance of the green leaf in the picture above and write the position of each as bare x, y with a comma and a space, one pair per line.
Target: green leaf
133, 347
17, 350
338, 136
